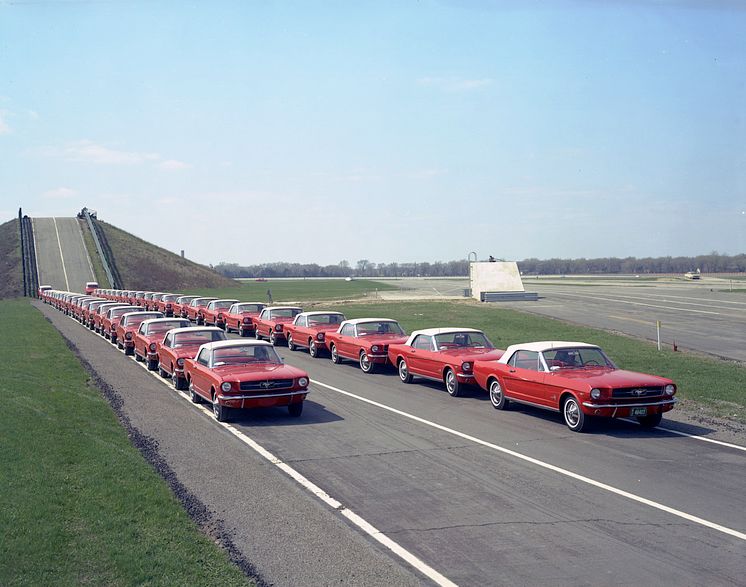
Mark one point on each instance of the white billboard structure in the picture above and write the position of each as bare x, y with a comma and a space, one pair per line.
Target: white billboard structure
497, 280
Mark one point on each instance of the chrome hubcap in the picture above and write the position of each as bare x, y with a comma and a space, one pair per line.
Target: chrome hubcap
571, 412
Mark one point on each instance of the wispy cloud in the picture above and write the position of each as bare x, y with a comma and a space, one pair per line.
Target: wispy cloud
86, 151
60, 193
455, 84
172, 165
4, 128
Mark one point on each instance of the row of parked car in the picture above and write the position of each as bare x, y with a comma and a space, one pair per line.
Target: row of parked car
574, 378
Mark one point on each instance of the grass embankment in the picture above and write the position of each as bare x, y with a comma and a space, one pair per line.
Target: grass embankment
300, 290
143, 265
11, 268
79, 503
90, 245
721, 385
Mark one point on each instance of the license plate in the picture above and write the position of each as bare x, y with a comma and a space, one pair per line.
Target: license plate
639, 412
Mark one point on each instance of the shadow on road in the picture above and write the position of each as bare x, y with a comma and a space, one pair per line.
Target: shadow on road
313, 413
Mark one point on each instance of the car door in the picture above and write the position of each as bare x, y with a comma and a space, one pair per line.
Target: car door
419, 357
346, 343
201, 373
524, 377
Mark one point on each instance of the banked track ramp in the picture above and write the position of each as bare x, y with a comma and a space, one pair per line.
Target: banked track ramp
61, 256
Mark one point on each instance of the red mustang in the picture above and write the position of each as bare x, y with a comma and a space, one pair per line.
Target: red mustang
309, 330
214, 312
195, 308
180, 344
149, 334
180, 305
244, 374
576, 379
365, 340
126, 327
273, 320
442, 354
110, 319
240, 317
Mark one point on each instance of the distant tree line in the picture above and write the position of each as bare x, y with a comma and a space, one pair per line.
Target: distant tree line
712, 263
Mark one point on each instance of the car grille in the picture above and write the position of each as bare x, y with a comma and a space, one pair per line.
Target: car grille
636, 392
268, 385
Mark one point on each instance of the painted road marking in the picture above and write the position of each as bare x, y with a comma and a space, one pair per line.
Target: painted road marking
62, 257
545, 465
307, 484
607, 299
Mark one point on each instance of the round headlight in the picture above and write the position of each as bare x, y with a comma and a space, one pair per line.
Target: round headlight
374, 348
128, 335
152, 346
180, 362
303, 381
466, 366
247, 320
226, 386
595, 393
320, 336
670, 389
278, 327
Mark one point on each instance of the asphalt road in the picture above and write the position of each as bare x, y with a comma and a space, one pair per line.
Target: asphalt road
483, 497
61, 256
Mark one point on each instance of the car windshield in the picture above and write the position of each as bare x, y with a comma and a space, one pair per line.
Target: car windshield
161, 327
284, 313
248, 308
577, 358
454, 340
244, 355
321, 319
223, 305
183, 339
137, 320
379, 327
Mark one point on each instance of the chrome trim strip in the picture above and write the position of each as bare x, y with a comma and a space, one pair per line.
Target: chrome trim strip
622, 406
243, 397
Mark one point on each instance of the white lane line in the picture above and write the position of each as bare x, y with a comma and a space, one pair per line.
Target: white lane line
304, 482
36, 252
87, 256
703, 438
606, 299
545, 465
62, 257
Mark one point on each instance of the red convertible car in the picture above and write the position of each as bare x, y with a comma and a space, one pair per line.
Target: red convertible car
150, 333
181, 344
214, 312
365, 340
195, 308
309, 329
235, 374
273, 320
576, 379
240, 317
126, 326
442, 354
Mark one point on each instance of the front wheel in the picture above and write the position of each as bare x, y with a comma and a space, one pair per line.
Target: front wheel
574, 417
257, 335
497, 397
404, 373
366, 365
162, 372
273, 338
220, 412
138, 358
453, 387
295, 410
650, 421
313, 350
152, 365
193, 395
179, 383
291, 344
335, 354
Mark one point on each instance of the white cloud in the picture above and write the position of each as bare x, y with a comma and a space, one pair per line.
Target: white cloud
60, 193
172, 165
4, 128
455, 84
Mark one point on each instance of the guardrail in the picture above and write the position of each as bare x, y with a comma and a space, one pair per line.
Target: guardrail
104, 251
28, 256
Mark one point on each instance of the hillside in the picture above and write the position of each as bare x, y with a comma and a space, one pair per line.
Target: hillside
11, 270
142, 265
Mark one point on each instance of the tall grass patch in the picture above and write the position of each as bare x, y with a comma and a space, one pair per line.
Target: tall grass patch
80, 505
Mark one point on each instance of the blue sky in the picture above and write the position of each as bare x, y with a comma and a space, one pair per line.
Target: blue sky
253, 132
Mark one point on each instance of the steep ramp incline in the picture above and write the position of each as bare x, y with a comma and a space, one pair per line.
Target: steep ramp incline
61, 256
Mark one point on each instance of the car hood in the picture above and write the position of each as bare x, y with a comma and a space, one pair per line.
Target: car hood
259, 371
601, 377
383, 338
472, 354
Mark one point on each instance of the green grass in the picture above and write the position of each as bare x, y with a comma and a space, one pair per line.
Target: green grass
11, 268
80, 506
719, 385
300, 290
98, 266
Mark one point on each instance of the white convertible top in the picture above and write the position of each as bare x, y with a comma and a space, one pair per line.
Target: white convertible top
220, 344
160, 320
281, 308
196, 329
540, 347
363, 320
434, 331
320, 313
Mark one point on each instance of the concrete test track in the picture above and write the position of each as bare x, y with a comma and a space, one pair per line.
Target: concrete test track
61, 256
480, 497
